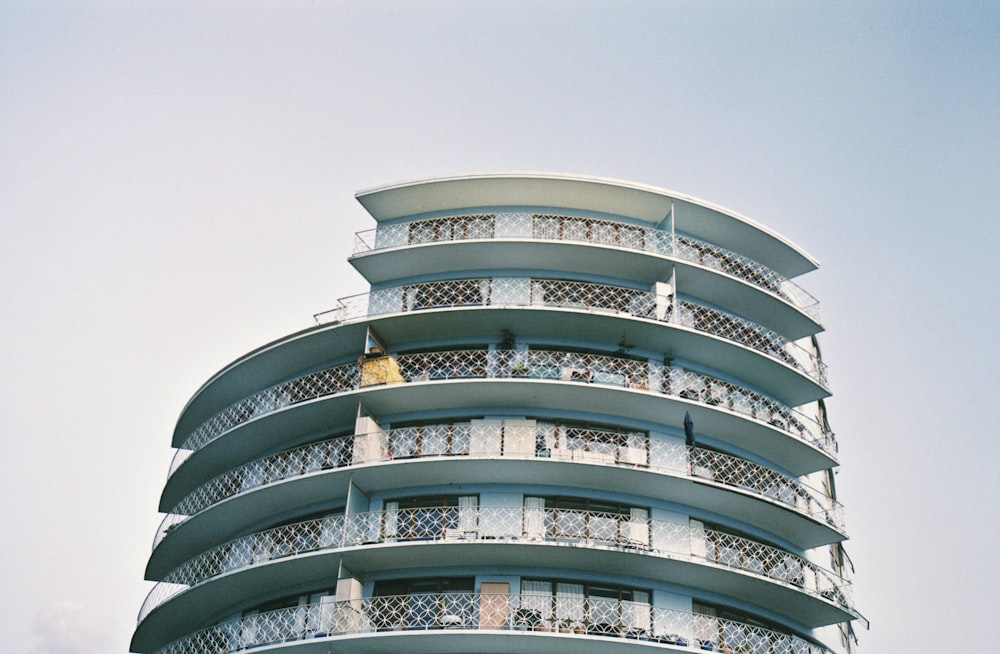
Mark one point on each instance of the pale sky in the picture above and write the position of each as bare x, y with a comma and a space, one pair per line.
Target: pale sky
176, 188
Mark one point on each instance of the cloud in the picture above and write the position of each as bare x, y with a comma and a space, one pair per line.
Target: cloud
72, 627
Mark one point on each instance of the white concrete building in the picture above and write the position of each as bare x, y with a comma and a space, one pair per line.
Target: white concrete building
571, 415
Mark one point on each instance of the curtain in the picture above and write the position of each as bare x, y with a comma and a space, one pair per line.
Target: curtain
569, 602
536, 602
706, 623
391, 526
638, 527
534, 517
637, 614
484, 439
468, 515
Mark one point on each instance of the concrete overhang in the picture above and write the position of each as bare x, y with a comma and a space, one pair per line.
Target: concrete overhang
640, 202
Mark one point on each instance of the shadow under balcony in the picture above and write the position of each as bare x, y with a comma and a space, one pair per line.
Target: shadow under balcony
512, 538
489, 623
787, 519
528, 231
591, 400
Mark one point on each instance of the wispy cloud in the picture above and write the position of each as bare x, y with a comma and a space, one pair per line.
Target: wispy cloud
72, 627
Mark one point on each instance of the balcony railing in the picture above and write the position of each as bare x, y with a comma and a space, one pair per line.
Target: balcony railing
527, 613
549, 227
553, 441
598, 298
646, 376
514, 524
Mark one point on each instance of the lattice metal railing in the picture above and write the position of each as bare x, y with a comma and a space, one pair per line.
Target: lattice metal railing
331, 381
552, 227
169, 522
600, 298
739, 473
762, 339
325, 455
591, 617
583, 528
649, 376
614, 371
552, 441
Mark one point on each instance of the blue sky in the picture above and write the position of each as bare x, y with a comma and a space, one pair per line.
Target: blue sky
176, 188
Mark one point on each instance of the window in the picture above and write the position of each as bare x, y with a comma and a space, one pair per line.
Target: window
422, 603
727, 546
740, 631
608, 445
430, 517
573, 518
457, 292
451, 229
283, 619
428, 440
597, 608
572, 228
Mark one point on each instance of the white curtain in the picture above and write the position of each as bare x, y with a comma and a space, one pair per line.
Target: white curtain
637, 614
569, 602
706, 624
391, 527
434, 441
484, 439
537, 596
534, 517
638, 527
519, 438
467, 514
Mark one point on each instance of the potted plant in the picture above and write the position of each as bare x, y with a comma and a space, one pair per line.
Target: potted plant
520, 370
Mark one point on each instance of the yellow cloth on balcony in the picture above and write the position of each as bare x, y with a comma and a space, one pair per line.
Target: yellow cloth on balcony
382, 370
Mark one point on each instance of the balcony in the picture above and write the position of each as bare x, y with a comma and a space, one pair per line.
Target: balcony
470, 621
616, 302
513, 524
746, 418
508, 536
553, 442
399, 458
500, 227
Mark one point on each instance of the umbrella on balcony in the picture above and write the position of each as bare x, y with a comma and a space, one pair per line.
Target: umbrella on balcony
688, 429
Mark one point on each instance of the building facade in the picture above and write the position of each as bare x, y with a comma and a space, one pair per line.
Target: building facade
572, 414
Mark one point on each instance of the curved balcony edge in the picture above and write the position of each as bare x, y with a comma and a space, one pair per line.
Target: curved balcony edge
582, 296
589, 231
626, 532
646, 376
478, 614
189, 535
623, 449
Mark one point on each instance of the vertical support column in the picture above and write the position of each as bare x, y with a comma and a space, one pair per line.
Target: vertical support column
664, 295
350, 605
372, 340
370, 441
360, 525
673, 252
673, 295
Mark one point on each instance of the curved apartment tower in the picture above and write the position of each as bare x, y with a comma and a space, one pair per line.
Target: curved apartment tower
571, 415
